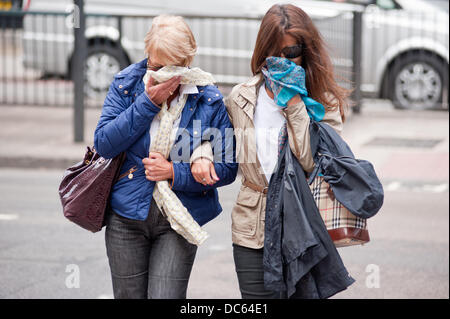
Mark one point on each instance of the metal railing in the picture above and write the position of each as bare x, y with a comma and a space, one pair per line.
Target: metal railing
26, 61
37, 57
378, 53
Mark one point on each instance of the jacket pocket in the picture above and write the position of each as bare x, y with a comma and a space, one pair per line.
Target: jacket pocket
128, 173
246, 212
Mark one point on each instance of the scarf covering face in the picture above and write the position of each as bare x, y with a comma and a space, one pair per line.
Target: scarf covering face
194, 76
287, 79
169, 204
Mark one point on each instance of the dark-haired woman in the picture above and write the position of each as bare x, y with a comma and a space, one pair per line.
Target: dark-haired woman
264, 117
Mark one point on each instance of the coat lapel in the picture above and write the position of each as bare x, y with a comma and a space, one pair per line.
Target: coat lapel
246, 99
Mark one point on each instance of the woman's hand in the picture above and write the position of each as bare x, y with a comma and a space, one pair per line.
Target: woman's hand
204, 172
159, 93
157, 168
294, 100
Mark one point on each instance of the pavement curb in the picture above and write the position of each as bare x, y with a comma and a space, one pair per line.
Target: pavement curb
37, 163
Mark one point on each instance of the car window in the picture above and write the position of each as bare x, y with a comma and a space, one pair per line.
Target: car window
383, 4
386, 4
440, 4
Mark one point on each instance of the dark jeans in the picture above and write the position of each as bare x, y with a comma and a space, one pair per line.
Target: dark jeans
147, 258
250, 273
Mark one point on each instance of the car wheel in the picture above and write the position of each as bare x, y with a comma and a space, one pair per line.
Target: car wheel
417, 82
102, 63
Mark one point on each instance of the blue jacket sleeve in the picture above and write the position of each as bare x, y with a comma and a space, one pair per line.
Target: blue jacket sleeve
226, 167
120, 125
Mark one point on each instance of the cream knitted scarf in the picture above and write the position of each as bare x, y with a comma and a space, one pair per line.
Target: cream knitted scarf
178, 216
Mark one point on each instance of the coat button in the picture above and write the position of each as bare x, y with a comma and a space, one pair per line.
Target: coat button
130, 176
126, 92
217, 94
195, 132
120, 86
191, 109
209, 100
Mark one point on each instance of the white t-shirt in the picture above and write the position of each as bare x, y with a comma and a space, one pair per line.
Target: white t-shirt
268, 120
184, 89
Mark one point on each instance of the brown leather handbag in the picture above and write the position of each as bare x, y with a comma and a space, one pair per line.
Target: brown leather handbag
344, 228
85, 188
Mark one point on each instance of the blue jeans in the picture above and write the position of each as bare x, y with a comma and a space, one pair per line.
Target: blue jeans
148, 259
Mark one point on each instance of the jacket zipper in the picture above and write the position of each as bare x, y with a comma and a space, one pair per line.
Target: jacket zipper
128, 173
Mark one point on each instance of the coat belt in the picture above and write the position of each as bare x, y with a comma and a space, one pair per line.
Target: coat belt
258, 188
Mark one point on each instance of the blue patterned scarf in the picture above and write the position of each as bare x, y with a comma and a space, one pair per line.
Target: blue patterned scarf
286, 79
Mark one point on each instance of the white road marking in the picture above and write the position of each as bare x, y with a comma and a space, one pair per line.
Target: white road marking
427, 188
393, 186
217, 248
8, 217
436, 188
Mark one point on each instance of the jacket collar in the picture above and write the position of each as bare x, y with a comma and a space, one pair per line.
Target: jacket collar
249, 89
191, 103
191, 106
248, 94
141, 68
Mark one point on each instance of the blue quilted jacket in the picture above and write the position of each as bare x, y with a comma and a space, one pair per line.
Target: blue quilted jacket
124, 125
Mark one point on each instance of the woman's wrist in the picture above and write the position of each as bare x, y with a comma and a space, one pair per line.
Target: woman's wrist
148, 96
172, 175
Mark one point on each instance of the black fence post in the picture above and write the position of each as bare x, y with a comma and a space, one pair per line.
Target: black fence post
357, 48
78, 69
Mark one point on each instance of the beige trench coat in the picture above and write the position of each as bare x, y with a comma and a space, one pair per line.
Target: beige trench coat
248, 214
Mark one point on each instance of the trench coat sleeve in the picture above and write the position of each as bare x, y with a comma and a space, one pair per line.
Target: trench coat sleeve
226, 166
298, 131
333, 118
297, 119
204, 150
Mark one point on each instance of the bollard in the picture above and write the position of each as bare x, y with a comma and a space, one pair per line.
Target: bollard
78, 67
357, 47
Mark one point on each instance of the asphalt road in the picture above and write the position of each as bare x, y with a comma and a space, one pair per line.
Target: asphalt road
408, 256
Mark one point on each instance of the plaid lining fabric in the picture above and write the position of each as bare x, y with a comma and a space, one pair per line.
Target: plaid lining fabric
282, 137
333, 213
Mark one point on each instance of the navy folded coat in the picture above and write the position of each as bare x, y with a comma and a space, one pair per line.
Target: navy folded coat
353, 181
299, 258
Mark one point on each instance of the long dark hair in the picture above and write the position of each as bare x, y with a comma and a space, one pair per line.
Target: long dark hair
320, 77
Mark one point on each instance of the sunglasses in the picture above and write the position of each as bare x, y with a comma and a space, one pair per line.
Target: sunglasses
292, 52
153, 67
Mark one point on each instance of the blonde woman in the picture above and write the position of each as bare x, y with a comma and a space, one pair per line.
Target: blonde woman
150, 254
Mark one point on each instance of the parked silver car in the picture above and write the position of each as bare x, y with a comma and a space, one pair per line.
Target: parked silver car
405, 44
